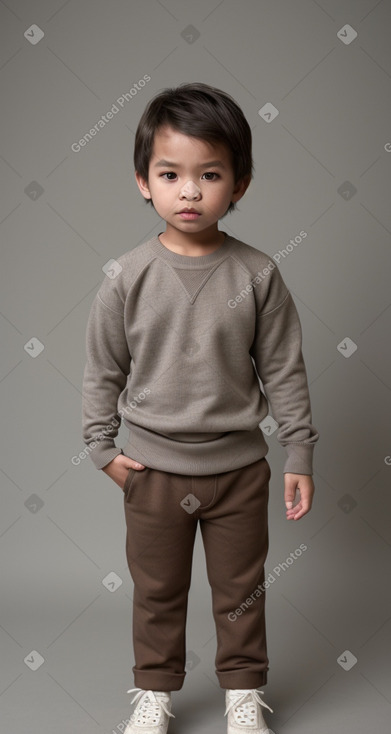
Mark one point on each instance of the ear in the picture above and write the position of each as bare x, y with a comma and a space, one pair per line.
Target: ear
143, 185
240, 188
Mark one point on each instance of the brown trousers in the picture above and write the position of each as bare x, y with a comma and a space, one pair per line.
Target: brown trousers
162, 510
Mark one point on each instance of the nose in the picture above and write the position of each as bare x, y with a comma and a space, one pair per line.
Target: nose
190, 190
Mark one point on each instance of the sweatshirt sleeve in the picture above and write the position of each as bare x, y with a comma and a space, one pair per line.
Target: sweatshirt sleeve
105, 376
277, 353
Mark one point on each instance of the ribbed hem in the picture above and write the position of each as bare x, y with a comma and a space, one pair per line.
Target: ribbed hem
300, 458
229, 451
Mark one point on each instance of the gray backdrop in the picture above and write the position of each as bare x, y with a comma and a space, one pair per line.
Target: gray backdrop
313, 79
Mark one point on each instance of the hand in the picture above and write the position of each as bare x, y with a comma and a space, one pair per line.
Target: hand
305, 485
118, 468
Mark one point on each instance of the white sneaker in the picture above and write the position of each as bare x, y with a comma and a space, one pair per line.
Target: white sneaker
151, 715
243, 707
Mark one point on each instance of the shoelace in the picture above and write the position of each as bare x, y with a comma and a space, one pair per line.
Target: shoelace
237, 698
148, 706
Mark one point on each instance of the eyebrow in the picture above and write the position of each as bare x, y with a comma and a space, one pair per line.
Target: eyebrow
170, 164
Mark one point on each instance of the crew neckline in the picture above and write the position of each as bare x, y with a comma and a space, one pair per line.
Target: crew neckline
193, 260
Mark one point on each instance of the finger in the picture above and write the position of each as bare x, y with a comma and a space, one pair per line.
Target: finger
290, 489
292, 514
291, 507
290, 496
298, 507
303, 511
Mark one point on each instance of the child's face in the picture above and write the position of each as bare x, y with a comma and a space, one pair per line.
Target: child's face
190, 183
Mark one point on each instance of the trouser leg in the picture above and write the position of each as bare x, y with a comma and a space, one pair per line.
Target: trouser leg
159, 550
235, 535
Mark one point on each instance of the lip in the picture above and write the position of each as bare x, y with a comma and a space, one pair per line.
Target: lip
189, 214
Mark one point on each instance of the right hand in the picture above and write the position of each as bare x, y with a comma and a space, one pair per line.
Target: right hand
118, 469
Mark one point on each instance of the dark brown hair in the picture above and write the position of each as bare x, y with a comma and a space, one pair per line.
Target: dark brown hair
202, 112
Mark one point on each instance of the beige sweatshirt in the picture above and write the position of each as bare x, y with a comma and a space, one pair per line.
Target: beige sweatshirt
188, 352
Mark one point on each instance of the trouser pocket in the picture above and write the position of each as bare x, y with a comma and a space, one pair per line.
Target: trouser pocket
128, 482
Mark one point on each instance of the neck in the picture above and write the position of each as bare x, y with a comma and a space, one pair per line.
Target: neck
194, 245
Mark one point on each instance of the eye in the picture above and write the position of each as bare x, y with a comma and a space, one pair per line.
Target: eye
168, 173
171, 173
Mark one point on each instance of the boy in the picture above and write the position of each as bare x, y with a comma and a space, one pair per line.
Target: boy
177, 338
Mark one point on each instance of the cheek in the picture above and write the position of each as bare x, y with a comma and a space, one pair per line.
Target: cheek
164, 201
164, 190
221, 196
159, 192
222, 190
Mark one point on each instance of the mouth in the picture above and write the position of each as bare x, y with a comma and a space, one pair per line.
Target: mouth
189, 214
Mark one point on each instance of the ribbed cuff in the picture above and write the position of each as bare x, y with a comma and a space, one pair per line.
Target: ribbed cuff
300, 458
103, 452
